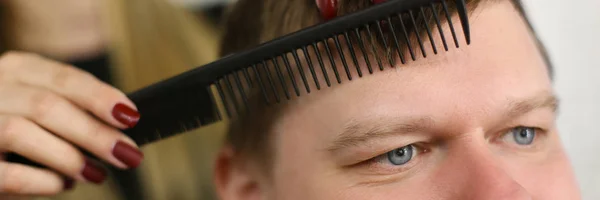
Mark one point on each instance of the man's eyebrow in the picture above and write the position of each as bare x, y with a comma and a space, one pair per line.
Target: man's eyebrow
542, 100
360, 131
357, 131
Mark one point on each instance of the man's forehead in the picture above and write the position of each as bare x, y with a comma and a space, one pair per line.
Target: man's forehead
497, 39
502, 63
500, 37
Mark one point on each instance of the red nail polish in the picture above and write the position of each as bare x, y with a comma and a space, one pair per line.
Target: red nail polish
126, 115
328, 8
93, 173
378, 1
127, 154
68, 184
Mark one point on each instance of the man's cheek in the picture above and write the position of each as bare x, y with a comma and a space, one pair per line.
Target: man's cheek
551, 178
381, 193
420, 185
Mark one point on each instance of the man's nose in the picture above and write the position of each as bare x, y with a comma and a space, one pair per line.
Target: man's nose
485, 179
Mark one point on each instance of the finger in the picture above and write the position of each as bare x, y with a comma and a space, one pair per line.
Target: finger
19, 179
78, 86
67, 121
23, 137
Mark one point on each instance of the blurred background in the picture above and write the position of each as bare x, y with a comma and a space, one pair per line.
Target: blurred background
571, 32
167, 37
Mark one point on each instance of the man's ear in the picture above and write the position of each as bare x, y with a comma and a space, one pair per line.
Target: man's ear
234, 179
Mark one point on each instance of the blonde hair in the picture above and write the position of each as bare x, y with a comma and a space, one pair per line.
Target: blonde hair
150, 40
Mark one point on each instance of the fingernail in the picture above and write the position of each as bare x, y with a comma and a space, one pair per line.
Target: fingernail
378, 1
68, 184
328, 8
127, 154
93, 173
126, 115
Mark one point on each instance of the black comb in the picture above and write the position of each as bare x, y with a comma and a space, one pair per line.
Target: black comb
186, 101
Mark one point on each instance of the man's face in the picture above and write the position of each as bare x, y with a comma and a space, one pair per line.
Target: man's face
474, 123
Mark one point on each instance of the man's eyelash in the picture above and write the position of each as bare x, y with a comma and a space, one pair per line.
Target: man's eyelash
379, 165
541, 134
498, 135
419, 150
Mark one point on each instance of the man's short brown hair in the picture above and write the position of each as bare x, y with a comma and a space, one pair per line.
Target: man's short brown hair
252, 22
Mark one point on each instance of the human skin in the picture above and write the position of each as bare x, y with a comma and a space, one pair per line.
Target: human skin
48, 112
458, 108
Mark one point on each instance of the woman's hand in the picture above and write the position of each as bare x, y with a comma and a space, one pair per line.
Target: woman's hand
49, 110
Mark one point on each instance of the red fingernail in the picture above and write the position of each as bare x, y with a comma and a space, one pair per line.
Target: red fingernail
68, 184
126, 115
328, 8
93, 173
377, 1
131, 156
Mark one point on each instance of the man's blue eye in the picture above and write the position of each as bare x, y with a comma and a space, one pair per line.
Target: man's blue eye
402, 155
523, 135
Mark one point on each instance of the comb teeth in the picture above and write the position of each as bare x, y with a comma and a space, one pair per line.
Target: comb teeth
368, 39
311, 67
353, 54
400, 27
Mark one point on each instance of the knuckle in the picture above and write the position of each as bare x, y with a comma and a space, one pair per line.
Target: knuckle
11, 55
95, 130
42, 103
14, 53
68, 77
12, 60
64, 77
8, 61
10, 128
11, 180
